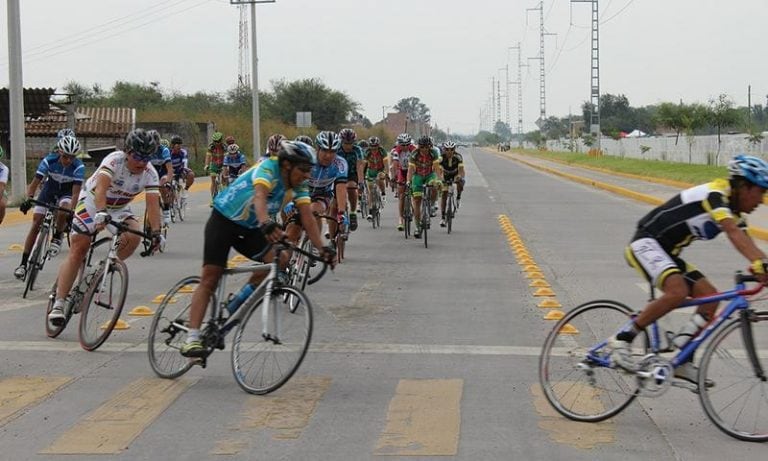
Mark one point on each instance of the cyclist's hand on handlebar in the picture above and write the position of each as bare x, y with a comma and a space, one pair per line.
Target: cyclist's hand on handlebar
759, 268
158, 242
329, 255
25, 205
101, 218
272, 231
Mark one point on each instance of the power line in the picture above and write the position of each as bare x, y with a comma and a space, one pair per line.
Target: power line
618, 12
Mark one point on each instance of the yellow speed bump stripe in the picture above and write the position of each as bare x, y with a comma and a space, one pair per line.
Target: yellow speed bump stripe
423, 419
18, 393
110, 428
141, 311
550, 302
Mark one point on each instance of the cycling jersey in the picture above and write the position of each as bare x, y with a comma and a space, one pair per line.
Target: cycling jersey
3, 173
352, 157
124, 185
60, 178
402, 154
693, 214
158, 160
234, 163
179, 161
375, 158
323, 178
236, 201
450, 165
217, 151
424, 164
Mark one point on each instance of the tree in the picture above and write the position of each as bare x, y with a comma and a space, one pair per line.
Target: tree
669, 115
486, 138
721, 115
330, 108
502, 130
416, 110
555, 128
140, 96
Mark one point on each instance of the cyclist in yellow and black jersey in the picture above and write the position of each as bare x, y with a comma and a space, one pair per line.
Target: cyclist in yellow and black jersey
452, 164
699, 213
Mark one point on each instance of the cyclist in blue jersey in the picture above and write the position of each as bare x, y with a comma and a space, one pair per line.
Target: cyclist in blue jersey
240, 220
234, 164
353, 154
161, 160
3, 183
62, 175
180, 164
327, 184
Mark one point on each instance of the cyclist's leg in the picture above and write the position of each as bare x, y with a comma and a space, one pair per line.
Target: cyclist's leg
37, 220
61, 217
189, 178
417, 186
79, 244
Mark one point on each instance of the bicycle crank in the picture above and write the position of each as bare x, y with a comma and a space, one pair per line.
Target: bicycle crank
654, 375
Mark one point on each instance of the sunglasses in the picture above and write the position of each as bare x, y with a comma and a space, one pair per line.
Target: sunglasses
140, 158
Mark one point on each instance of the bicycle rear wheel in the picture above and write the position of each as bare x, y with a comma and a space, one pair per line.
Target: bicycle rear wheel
449, 213
101, 309
261, 365
738, 402
168, 330
425, 210
576, 386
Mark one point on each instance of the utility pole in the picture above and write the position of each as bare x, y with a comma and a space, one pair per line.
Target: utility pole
519, 84
17, 148
498, 100
540, 57
506, 93
594, 95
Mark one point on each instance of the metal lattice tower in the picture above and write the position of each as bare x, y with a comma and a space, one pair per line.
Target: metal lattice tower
243, 62
519, 84
542, 72
594, 95
498, 100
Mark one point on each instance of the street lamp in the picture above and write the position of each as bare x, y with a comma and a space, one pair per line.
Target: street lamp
254, 74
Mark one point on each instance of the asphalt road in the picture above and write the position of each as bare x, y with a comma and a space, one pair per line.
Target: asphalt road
416, 352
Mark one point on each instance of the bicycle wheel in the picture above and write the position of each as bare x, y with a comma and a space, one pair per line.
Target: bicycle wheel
738, 402
35, 261
340, 244
425, 210
50, 330
449, 213
180, 204
577, 387
101, 309
167, 332
261, 365
407, 215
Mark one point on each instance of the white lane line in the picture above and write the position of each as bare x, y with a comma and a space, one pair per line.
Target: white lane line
473, 174
20, 304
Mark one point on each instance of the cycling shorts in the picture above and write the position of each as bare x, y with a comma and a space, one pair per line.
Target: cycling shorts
418, 181
648, 257
85, 210
221, 235
51, 197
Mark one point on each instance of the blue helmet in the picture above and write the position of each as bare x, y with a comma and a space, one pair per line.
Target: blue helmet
753, 169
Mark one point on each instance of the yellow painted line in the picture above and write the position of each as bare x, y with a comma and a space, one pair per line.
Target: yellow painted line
286, 412
19, 393
423, 419
573, 433
110, 428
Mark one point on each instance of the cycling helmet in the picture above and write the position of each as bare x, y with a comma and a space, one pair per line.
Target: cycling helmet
404, 139
347, 135
273, 143
373, 141
363, 144
449, 145
176, 139
232, 149
297, 152
65, 132
229, 140
155, 137
305, 139
2, 152
68, 145
165, 143
140, 142
753, 169
328, 140
424, 141
217, 136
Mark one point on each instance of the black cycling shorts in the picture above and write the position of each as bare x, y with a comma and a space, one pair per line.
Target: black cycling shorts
221, 235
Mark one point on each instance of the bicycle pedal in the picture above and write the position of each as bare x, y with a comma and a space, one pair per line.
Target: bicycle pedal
201, 361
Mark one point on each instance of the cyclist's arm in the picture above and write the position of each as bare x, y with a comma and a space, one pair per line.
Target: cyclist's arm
207, 158
153, 212
168, 170
341, 196
741, 240
409, 176
32, 188
103, 182
309, 223
75, 194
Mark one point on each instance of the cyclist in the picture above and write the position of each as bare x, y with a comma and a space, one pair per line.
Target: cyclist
3, 183
62, 174
234, 163
214, 159
376, 166
121, 176
452, 166
327, 185
305, 139
398, 165
355, 163
180, 164
229, 140
698, 213
422, 169
240, 220
161, 160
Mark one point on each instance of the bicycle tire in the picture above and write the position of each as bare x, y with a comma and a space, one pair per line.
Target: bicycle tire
449, 214
340, 244
726, 362
605, 391
167, 332
94, 329
50, 330
262, 366
407, 215
33, 265
425, 211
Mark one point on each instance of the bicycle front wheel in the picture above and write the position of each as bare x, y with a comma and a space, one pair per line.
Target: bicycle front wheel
738, 402
102, 308
577, 386
263, 362
36, 261
168, 331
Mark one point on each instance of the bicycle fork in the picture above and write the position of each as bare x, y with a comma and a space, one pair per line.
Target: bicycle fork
269, 316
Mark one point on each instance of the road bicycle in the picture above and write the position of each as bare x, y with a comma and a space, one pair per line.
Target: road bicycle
376, 204
581, 381
178, 201
407, 212
98, 293
146, 242
426, 211
41, 248
272, 335
363, 199
450, 205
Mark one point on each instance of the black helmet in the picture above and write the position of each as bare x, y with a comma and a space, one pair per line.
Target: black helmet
305, 139
297, 152
424, 141
176, 139
141, 142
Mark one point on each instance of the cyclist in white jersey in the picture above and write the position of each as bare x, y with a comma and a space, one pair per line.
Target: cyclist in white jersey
121, 176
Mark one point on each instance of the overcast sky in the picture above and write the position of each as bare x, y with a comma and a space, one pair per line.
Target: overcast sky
444, 52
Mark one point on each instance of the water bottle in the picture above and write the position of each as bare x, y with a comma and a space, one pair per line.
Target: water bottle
689, 330
240, 297
289, 208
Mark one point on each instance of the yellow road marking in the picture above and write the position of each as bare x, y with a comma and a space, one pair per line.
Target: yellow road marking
423, 419
573, 433
110, 428
18, 393
287, 413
